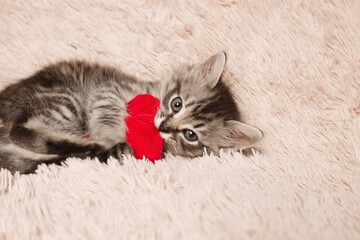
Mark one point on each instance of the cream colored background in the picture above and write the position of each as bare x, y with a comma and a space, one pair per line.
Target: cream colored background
294, 67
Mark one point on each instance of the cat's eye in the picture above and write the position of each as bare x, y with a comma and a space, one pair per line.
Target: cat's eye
176, 104
190, 135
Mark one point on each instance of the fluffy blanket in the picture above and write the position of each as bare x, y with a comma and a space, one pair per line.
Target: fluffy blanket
294, 67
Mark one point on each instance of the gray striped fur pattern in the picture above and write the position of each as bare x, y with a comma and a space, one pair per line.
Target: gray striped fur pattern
45, 118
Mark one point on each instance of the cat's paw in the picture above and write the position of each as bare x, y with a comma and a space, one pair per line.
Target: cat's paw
88, 150
116, 151
95, 149
124, 148
121, 149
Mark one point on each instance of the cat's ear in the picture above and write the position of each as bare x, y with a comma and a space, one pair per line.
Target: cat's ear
239, 135
210, 70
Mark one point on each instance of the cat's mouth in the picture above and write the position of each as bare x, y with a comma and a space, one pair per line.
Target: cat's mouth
166, 136
159, 124
158, 120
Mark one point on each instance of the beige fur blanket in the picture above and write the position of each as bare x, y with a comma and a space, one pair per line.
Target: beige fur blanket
294, 67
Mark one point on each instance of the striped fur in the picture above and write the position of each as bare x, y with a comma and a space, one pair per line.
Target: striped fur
46, 117
208, 109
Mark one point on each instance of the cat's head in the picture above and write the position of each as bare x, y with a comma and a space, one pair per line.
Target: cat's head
197, 111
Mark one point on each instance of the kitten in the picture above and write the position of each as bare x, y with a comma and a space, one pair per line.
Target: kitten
46, 117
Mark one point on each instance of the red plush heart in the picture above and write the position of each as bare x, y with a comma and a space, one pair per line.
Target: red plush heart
142, 135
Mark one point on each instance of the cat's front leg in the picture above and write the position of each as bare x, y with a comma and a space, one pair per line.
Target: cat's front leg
117, 151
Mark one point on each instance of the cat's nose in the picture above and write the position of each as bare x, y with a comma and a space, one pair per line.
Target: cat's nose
163, 127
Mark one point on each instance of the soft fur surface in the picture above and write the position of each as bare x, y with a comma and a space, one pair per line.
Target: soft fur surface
294, 67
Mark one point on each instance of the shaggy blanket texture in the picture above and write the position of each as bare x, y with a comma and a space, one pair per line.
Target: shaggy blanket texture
294, 67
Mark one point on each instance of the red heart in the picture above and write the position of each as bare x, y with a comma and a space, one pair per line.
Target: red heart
142, 135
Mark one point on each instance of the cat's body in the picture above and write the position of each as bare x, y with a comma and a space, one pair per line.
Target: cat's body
46, 117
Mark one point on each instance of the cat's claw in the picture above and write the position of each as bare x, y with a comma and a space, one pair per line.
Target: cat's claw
116, 151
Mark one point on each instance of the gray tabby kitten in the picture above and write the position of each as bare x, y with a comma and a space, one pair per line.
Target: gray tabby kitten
46, 117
